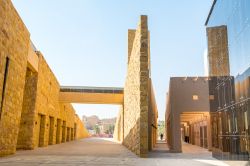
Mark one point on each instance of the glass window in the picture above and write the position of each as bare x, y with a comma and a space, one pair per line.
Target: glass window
195, 97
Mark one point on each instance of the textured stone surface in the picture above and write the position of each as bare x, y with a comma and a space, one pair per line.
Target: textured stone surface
32, 115
152, 118
14, 44
136, 93
30, 112
136, 124
218, 58
118, 132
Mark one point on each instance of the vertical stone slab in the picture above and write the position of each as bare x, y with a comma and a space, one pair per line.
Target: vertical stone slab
42, 131
136, 93
64, 132
119, 126
25, 135
144, 86
152, 117
209, 133
131, 37
175, 135
58, 131
51, 136
218, 58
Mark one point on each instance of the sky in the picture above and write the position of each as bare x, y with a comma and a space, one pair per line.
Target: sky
85, 41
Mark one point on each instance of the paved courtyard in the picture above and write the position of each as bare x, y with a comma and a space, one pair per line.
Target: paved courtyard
105, 152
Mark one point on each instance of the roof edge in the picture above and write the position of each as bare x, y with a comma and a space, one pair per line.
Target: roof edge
210, 12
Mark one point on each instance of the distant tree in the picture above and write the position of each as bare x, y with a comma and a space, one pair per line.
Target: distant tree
111, 129
97, 129
106, 132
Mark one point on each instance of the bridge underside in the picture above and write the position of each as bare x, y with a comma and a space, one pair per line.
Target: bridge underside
91, 95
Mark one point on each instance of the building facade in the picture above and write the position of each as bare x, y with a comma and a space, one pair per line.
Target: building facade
30, 112
35, 111
228, 32
187, 113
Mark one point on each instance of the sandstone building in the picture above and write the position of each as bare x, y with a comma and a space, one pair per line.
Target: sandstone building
35, 111
30, 113
137, 119
188, 112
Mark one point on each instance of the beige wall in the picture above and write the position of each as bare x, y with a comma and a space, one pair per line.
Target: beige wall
152, 118
14, 44
180, 100
28, 111
119, 129
81, 131
43, 115
31, 98
30, 105
136, 93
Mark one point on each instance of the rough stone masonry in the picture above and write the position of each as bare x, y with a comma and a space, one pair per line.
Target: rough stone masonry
31, 114
139, 112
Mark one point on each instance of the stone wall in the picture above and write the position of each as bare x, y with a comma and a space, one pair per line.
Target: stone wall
47, 104
30, 112
218, 56
152, 118
45, 121
51, 122
81, 131
136, 93
14, 44
118, 132
182, 107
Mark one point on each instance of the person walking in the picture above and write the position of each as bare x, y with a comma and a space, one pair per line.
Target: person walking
161, 136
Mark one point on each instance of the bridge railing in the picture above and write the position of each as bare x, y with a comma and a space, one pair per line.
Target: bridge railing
87, 89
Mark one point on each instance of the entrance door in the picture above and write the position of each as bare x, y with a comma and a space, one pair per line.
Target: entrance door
58, 131
201, 136
42, 130
51, 130
205, 137
38, 126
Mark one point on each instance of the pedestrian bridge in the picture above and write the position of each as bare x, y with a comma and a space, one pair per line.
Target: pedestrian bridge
91, 95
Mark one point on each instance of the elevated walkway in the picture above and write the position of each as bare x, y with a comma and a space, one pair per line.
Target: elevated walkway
91, 95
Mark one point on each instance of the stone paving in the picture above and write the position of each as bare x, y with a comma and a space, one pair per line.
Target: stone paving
105, 152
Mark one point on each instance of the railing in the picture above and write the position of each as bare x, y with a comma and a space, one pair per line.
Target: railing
87, 89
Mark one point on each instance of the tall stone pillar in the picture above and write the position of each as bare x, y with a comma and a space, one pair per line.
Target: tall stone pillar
175, 145
131, 37
136, 97
209, 133
218, 58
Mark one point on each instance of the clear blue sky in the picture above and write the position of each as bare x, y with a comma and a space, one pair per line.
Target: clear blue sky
85, 41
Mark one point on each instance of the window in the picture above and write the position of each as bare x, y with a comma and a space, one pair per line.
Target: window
211, 97
246, 120
195, 97
4, 83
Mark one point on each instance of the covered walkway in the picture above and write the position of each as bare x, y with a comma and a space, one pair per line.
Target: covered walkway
91, 95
